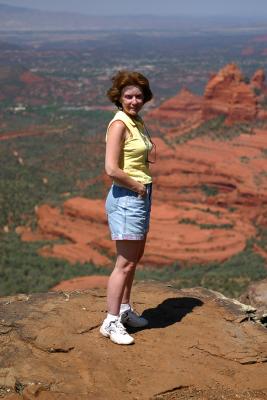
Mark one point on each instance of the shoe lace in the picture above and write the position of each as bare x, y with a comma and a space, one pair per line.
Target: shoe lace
121, 329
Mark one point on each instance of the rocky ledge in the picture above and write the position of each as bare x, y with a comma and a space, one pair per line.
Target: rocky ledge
199, 345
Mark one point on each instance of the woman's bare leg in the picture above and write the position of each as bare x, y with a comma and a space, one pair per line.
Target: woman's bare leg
128, 253
129, 282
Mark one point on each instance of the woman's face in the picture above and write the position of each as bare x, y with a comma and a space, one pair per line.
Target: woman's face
132, 100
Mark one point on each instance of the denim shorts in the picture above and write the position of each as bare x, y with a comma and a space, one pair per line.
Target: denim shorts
128, 213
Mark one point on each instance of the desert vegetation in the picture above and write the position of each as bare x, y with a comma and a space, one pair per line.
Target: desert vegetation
51, 167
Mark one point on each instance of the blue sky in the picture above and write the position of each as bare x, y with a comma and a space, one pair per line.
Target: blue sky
242, 8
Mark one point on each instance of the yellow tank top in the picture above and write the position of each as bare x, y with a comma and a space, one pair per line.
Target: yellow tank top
133, 157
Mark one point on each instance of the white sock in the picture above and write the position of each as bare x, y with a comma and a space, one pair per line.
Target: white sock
111, 317
124, 307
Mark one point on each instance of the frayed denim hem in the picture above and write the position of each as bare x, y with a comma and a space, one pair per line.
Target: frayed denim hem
128, 237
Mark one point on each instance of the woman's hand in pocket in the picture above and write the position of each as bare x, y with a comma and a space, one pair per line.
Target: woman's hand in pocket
142, 191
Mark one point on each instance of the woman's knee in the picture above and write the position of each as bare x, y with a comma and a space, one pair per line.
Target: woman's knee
126, 266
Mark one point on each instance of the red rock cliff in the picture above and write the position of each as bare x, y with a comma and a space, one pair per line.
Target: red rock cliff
227, 93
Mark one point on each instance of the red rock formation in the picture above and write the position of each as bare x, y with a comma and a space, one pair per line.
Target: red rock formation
178, 108
28, 77
258, 79
228, 94
82, 233
177, 115
82, 208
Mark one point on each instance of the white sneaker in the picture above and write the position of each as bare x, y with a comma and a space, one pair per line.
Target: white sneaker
116, 332
131, 318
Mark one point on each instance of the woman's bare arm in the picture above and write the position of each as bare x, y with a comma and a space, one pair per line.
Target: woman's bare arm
116, 135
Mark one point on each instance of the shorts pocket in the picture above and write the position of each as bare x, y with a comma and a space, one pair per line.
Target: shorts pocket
111, 202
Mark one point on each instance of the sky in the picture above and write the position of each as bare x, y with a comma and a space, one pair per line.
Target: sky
242, 8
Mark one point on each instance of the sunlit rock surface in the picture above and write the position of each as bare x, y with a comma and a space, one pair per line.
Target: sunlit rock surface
198, 345
256, 296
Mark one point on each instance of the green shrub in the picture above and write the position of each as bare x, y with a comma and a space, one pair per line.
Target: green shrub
205, 226
257, 91
244, 159
209, 190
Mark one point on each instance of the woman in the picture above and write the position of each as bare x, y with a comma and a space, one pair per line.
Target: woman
129, 199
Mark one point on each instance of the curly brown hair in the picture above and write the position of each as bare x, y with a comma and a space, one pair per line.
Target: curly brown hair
128, 78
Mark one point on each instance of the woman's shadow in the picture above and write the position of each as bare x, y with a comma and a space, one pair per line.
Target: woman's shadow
169, 312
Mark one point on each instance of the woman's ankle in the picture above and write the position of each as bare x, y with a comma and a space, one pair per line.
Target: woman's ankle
111, 317
125, 307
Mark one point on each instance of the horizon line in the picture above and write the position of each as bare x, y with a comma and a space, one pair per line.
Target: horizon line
181, 15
